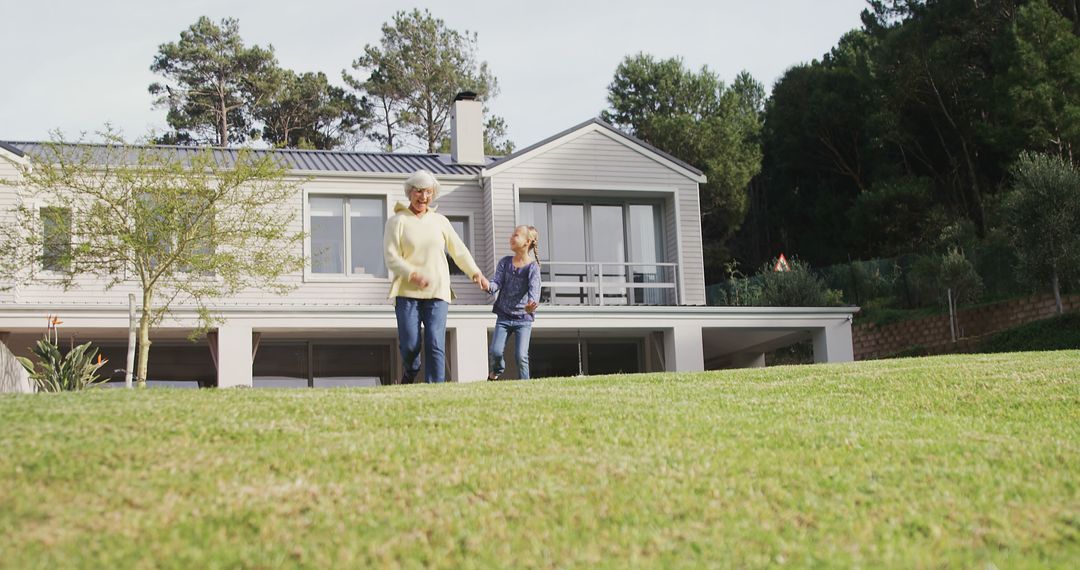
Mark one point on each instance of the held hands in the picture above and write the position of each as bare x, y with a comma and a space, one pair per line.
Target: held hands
481, 281
418, 280
531, 306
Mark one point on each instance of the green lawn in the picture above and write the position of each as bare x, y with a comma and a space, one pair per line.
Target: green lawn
958, 461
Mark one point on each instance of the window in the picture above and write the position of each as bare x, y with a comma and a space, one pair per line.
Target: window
461, 226
185, 226
562, 357
599, 243
359, 241
367, 218
296, 363
55, 238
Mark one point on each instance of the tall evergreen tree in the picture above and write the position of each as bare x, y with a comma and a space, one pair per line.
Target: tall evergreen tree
697, 118
936, 65
918, 113
414, 73
214, 83
307, 112
1040, 86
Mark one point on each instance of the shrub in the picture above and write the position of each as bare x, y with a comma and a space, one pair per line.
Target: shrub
738, 291
798, 287
1055, 333
995, 261
895, 216
910, 352
932, 276
863, 282
958, 275
58, 372
922, 281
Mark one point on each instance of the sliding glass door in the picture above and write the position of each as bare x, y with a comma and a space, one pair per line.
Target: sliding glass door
608, 241
599, 246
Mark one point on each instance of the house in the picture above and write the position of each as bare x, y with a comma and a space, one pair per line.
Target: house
622, 266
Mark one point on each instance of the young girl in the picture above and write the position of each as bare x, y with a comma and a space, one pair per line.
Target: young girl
517, 281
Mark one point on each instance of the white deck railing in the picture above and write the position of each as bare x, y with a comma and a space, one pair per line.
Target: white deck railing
609, 283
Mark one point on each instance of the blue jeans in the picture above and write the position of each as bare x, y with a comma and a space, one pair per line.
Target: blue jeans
522, 331
411, 314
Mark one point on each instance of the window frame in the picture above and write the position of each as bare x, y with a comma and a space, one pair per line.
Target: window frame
624, 202
586, 203
50, 271
311, 276
468, 239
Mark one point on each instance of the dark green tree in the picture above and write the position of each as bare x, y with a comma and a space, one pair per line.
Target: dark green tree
697, 118
379, 92
821, 153
912, 121
496, 139
307, 112
413, 74
213, 83
1040, 88
1043, 214
936, 63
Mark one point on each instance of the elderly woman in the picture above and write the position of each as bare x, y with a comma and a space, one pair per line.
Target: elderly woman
415, 240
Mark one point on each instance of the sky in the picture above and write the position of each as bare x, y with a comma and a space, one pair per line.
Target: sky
76, 65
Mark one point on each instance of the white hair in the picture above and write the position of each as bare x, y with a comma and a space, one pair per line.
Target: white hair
422, 179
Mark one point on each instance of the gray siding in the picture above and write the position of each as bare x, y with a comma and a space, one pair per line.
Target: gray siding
8, 200
456, 197
485, 230
592, 164
600, 166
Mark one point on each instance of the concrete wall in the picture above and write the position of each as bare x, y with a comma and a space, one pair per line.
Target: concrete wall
13, 377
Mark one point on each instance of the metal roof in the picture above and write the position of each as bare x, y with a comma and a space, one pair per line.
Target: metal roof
11, 149
298, 160
373, 162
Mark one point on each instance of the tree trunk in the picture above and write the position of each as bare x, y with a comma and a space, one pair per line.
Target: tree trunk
144, 337
976, 192
223, 127
389, 134
431, 142
975, 213
129, 365
1057, 293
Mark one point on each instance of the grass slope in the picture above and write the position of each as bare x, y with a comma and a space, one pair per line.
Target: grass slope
946, 461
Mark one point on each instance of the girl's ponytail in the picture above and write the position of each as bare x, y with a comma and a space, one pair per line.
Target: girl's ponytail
534, 239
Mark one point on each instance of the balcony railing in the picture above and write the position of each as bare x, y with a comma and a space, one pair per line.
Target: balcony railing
608, 283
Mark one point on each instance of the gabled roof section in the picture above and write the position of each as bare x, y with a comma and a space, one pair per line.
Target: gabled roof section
11, 149
13, 154
596, 125
302, 160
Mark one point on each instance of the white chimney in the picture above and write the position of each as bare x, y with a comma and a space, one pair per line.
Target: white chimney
467, 130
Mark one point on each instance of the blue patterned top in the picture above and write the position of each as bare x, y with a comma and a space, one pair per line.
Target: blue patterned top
516, 286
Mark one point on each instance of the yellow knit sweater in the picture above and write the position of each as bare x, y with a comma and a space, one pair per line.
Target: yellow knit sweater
417, 244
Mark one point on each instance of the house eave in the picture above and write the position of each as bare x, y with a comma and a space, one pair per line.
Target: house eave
14, 156
389, 176
256, 312
598, 126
